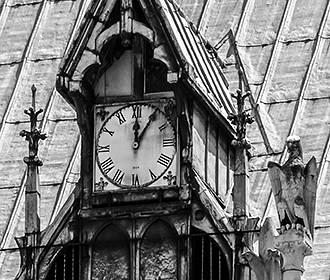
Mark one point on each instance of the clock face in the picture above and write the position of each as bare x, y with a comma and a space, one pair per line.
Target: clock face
135, 146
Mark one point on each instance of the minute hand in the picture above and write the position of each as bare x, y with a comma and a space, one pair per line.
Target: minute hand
151, 118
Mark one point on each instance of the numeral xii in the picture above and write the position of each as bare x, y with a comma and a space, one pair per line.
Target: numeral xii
136, 111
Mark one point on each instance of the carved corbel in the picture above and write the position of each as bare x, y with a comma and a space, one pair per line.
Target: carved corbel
256, 263
266, 265
294, 244
264, 269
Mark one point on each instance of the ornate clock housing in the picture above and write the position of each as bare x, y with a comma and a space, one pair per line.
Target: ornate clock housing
135, 146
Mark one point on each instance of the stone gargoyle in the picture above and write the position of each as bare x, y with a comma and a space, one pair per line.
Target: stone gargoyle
294, 187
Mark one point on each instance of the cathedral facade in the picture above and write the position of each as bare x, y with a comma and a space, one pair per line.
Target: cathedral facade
161, 149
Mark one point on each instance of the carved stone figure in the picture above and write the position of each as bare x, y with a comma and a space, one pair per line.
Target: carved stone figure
294, 187
266, 265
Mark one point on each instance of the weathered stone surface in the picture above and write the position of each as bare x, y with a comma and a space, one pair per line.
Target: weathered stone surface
289, 72
305, 20
261, 30
284, 64
223, 15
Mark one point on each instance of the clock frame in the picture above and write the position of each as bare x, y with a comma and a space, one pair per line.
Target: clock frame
135, 144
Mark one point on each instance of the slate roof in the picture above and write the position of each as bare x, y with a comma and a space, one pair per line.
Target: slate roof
284, 47
202, 63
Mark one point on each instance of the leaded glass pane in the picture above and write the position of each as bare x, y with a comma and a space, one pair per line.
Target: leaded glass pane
110, 259
158, 255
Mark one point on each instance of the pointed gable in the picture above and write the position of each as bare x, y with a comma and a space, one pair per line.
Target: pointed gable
174, 41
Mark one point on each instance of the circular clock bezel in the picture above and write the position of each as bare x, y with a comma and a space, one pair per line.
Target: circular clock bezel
104, 123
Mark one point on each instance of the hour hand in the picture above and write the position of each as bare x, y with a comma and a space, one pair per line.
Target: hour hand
152, 117
136, 128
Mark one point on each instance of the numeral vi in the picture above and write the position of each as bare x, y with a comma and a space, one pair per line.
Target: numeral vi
135, 180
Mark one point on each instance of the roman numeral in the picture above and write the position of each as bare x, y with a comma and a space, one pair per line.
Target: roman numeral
120, 117
118, 177
136, 111
163, 126
103, 149
152, 175
168, 142
164, 160
135, 180
107, 165
104, 129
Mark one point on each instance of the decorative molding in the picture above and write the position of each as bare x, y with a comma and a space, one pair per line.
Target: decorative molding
293, 244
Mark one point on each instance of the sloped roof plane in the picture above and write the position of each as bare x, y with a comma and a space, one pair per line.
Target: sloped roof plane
284, 47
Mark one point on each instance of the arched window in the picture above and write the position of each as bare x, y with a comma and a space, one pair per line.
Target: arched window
208, 261
111, 257
66, 265
158, 254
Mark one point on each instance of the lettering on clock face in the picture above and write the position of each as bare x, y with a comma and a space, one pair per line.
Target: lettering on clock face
168, 142
118, 177
104, 129
163, 126
152, 175
136, 111
135, 180
135, 146
120, 117
103, 149
107, 165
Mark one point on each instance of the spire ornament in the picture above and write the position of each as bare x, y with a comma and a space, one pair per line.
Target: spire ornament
241, 176
34, 135
241, 146
31, 239
240, 120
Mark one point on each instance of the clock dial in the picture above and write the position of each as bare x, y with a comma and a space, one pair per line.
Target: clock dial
135, 146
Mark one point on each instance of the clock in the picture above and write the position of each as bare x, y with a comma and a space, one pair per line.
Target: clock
135, 146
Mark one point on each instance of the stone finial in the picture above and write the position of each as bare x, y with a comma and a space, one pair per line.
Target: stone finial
34, 135
240, 120
294, 187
